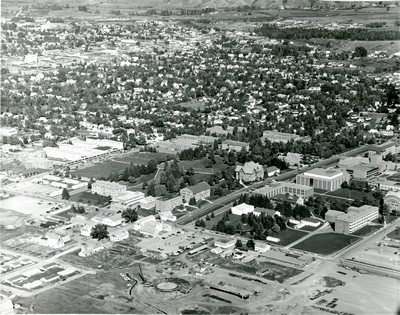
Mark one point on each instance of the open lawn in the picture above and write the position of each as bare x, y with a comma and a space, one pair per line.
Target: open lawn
350, 194
367, 230
88, 198
200, 165
141, 158
326, 244
395, 235
102, 169
289, 236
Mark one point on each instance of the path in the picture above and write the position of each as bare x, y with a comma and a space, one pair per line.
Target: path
317, 231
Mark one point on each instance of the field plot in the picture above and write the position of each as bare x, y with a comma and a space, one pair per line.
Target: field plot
326, 244
289, 236
102, 169
26, 205
88, 198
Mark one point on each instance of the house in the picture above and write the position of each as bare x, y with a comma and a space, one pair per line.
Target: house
117, 236
167, 216
49, 266
148, 203
272, 171
142, 221
234, 145
92, 246
113, 220
242, 209
86, 229
51, 239
199, 192
260, 247
249, 172
225, 243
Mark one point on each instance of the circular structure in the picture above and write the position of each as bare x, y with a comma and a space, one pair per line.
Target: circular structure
167, 286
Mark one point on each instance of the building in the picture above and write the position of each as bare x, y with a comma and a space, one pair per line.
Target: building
8, 131
272, 171
234, 145
392, 200
363, 171
282, 188
167, 216
260, 247
199, 191
249, 172
6, 305
165, 204
129, 198
113, 220
273, 239
148, 203
106, 188
142, 221
320, 178
275, 136
383, 149
219, 131
331, 215
225, 243
117, 236
86, 229
242, 209
355, 219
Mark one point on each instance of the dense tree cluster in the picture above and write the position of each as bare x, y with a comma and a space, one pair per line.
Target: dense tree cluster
130, 215
134, 171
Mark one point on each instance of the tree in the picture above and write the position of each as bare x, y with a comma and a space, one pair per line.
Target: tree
99, 231
192, 201
250, 244
200, 223
212, 215
230, 229
130, 215
360, 51
344, 185
151, 189
208, 217
65, 194
238, 244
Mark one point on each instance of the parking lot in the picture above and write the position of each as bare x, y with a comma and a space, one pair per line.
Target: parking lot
27, 205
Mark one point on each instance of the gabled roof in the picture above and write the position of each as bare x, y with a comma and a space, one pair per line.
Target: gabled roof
199, 187
272, 169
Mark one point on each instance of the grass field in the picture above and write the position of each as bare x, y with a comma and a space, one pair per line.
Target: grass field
351, 194
102, 169
394, 234
199, 165
140, 158
326, 244
88, 198
289, 236
367, 230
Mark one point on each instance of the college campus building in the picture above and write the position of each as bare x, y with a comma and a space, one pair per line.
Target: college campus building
249, 172
105, 188
392, 200
353, 220
243, 208
282, 188
234, 145
199, 192
164, 204
320, 178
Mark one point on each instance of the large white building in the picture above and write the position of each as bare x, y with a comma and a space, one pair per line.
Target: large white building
320, 178
355, 219
106, 188
243, 208
282, 188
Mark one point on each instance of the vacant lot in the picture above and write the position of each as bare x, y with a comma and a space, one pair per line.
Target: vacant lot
88, 198
326, 244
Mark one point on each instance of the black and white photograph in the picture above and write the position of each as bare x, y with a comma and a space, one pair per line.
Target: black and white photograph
200, 157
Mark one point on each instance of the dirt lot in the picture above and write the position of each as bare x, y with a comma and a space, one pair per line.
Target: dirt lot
26, 205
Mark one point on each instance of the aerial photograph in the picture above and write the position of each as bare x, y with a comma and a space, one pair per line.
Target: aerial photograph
200, 157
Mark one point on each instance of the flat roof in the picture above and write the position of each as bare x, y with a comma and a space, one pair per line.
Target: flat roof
324, 173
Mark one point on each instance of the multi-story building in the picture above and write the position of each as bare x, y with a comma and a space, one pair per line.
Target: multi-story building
326, 179
105, 188
383, 149
281, 188
249, 172
199, 191
363, 171
234, 145
168, 204
392, 200
355, 219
